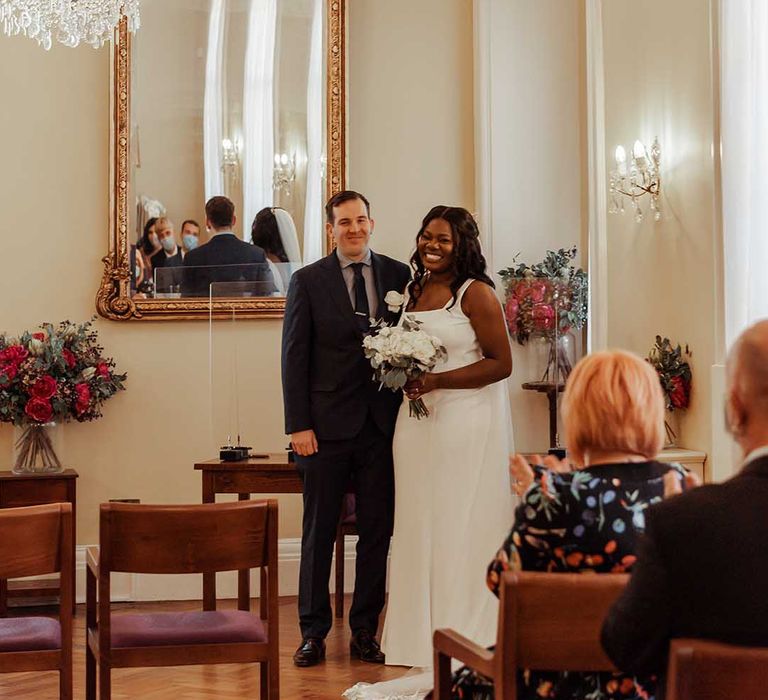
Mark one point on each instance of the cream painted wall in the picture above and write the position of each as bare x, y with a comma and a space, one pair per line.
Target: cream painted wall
535, 162
411, 146
410, 116
662, 277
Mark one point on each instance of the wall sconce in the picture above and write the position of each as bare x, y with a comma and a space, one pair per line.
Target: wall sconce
284, 173
634, 180
230, 158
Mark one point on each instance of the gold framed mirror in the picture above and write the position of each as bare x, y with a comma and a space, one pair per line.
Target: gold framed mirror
185, 97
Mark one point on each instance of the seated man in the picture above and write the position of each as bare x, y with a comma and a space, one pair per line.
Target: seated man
226, 258
702, 568
170, 256
190, 236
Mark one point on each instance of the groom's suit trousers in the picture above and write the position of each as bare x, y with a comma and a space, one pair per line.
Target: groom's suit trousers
365, 461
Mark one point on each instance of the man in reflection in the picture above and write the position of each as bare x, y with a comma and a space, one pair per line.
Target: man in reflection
225, 259
190, 236
166, 278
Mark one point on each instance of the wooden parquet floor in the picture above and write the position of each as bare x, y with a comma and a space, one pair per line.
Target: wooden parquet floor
215, 682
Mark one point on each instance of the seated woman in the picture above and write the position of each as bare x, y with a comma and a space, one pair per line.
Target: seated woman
274, 232
588, 520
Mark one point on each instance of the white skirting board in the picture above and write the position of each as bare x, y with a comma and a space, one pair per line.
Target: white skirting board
140, 587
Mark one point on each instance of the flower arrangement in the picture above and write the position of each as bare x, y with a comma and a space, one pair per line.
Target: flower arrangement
547, 298
674, 372
401, 353
56, 374
539, 296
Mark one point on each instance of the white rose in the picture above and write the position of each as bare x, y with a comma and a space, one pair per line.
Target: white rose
394, 300
88, 373
36, 347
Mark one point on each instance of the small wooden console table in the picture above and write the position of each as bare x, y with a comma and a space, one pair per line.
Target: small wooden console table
36, 490
269, 473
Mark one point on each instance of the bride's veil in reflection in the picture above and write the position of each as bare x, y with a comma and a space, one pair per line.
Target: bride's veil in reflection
288, 236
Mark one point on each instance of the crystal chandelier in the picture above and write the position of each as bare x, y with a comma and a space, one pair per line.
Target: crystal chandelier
642, 176
67, 21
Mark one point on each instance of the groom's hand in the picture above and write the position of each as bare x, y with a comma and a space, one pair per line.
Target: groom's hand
304, 442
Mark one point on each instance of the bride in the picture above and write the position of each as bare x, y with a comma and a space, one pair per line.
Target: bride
452, 495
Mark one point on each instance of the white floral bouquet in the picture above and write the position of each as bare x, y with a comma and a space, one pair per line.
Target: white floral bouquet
401, 353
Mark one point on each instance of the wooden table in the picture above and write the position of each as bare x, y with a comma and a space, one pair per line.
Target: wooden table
551, 390
35, 490
268, 473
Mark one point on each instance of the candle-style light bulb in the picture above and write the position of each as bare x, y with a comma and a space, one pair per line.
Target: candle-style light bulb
638, 150
620, 155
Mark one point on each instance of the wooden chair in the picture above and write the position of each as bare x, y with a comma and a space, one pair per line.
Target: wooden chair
705, 670
37, 540
347, 527
546, 621
183, 540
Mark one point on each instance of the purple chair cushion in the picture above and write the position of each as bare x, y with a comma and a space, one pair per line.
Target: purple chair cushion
348, 514
29, 634
199, 627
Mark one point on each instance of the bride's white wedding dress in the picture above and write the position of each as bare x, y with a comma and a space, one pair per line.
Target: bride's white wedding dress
453, 508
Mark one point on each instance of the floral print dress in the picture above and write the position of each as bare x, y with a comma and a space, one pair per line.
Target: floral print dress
583, 521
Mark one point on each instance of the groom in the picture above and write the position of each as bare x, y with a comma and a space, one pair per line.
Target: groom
340, 424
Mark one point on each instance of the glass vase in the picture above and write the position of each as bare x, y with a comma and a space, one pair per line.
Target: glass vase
671, 428
550, 358
36, 447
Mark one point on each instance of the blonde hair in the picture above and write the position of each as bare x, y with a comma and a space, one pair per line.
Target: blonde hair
613, 401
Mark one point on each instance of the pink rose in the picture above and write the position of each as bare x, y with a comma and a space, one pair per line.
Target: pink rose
543, 316
680, 397
512, 308
538, 290
15, 354
69, 357
83, 393
44, 388
10, 370
39, 410
522, 290
102, 369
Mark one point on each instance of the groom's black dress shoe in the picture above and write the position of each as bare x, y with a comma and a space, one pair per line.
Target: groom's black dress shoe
310, 653
364, 646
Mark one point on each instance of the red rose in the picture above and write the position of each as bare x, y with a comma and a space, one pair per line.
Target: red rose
69, 357
680, 396
38, 336
543, 316
44, 388
83, 398
538, 290
9, 371
102, 369
15, 354
39, 410
522, 290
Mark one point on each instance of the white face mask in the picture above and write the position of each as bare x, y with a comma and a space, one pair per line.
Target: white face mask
169, 244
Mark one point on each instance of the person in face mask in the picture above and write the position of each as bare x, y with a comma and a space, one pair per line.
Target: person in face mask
169, 257
190, 236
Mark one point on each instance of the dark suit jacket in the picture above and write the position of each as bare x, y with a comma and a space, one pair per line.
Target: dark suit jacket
327, 382
225, 258
702, 571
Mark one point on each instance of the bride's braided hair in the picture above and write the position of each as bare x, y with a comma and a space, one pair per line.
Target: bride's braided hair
468, 260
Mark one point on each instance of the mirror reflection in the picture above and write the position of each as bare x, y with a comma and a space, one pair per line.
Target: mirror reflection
227, 100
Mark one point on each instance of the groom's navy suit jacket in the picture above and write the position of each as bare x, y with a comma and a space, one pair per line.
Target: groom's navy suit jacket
327, 382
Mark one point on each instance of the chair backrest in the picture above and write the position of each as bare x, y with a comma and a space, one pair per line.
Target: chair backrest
552, 621
36, 540
185, 539
704, 670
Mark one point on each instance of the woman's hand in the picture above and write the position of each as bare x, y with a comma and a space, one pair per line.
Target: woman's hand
520, 473
672, 480
416, 388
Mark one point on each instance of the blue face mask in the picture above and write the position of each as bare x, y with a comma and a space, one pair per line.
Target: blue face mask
169, 244
190, 241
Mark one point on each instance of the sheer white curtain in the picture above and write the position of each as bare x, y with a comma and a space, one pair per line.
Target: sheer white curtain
258, 109
213, 100
313, 219
744, 135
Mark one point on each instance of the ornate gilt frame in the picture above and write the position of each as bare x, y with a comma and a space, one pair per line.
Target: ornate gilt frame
113, 300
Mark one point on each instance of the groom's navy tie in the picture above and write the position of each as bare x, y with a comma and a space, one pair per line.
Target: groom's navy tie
362, 311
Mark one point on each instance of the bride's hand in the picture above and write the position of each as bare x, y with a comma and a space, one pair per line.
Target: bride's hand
416, 388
